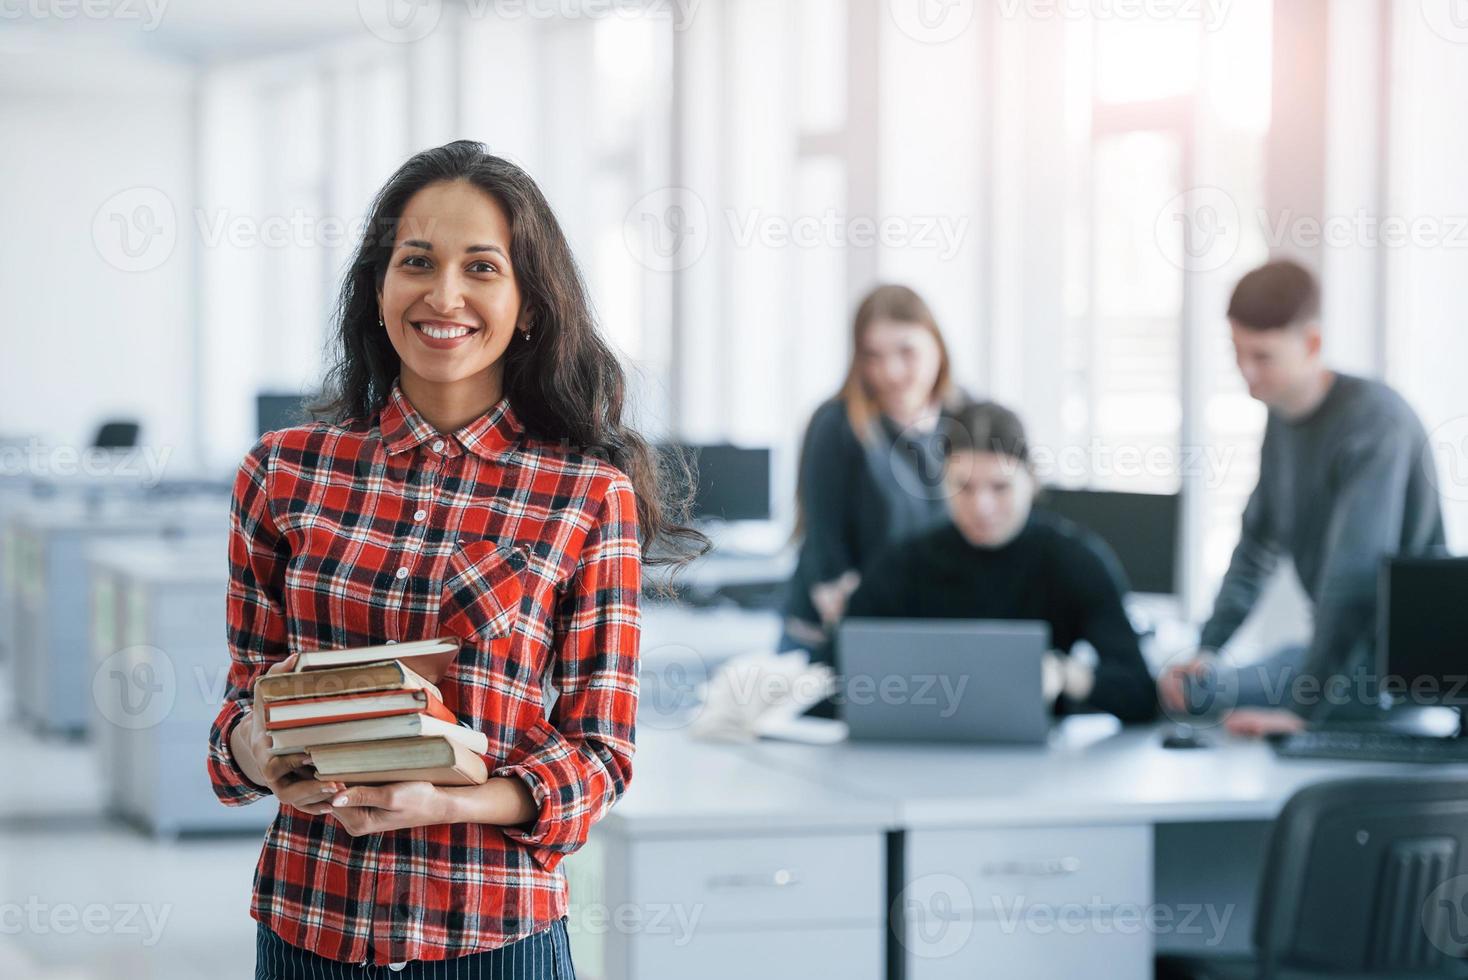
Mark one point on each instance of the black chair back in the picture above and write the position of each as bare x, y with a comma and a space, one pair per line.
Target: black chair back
1368, 876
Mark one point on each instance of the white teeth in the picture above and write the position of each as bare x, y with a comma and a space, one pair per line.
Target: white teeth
442, 333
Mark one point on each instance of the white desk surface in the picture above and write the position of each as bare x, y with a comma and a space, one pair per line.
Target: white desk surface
684, 787
1092, 773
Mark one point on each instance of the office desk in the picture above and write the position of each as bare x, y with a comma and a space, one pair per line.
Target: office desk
159, 666
714, 866
1081, 859
48, 629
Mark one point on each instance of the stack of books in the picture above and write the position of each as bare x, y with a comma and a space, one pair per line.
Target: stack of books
373, 715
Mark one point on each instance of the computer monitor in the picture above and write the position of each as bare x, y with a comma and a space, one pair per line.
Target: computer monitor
1142, 528
279, 411
1422, 629
730, 483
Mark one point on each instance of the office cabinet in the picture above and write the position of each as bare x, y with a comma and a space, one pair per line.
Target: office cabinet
159, 667
773, 906
1031, 902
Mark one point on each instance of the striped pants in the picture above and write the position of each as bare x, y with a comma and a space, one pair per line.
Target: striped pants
546, 955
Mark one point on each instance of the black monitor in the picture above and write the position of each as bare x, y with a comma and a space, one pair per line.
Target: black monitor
730, 483
1142, 528
1422, 629
279, 411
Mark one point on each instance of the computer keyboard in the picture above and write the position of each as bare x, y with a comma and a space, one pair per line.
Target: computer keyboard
1370, 747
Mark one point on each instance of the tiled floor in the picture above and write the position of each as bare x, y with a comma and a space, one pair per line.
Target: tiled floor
84, 898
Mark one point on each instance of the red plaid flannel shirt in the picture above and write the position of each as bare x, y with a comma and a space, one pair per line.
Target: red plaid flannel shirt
389, 531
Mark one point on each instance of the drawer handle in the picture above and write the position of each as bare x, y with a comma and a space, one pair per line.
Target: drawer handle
1042, 868
780, 878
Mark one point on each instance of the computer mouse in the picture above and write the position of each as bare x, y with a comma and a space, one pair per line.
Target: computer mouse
1184, 737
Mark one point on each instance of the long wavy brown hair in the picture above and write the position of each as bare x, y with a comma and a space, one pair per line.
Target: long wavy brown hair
886, 302
564, 383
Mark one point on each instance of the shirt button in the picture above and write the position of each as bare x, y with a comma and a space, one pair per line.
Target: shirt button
396, 967
392, 641
402, 573
418, 515
438, 445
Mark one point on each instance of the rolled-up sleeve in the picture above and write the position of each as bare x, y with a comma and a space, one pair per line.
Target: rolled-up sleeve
579, 761
255, 617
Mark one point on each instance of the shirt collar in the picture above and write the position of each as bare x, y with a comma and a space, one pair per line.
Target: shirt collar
489, 436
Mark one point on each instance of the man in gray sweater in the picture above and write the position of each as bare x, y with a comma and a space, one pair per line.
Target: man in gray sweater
1344, 480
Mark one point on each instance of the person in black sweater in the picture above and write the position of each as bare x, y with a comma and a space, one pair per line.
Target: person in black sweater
998, 557
871, 461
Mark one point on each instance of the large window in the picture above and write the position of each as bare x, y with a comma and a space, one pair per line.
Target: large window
1165, 125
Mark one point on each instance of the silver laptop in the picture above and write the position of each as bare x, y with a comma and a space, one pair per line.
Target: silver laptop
943, 680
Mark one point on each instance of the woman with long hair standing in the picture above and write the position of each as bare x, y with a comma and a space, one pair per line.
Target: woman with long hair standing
871, 462
474, 479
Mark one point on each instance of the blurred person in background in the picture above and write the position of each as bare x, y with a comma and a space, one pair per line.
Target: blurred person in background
871, 459
1343, 483
999, 556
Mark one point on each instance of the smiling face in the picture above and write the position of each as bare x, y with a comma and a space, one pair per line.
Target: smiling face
450, 303
899, 366
989, 496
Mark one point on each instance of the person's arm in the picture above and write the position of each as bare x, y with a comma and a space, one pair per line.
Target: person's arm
1365, 525
578, 763
883, 593
826, 473
255, 626
1254, 559
887, 582
1121, 683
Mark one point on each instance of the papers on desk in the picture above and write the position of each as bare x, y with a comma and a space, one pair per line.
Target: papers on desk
764, 694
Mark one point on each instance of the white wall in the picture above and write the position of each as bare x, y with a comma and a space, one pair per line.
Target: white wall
83, 338
1427, 342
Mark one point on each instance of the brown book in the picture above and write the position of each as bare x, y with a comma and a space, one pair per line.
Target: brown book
384, 675
287, 740
438, 760
429, 658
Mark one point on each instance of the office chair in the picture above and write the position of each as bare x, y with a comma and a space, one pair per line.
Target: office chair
116, 434
1364, 878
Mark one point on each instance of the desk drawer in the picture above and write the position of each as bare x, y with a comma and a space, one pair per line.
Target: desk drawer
963, 949
852, 953
764, 881
993, 872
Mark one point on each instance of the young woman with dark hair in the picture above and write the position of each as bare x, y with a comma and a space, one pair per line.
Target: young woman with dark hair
870, 464
474, 479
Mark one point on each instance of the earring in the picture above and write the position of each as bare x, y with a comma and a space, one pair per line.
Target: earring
380, 322
526, 334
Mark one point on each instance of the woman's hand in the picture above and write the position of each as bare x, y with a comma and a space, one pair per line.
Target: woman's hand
829, 598
390, 806
503, 801
290, 777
